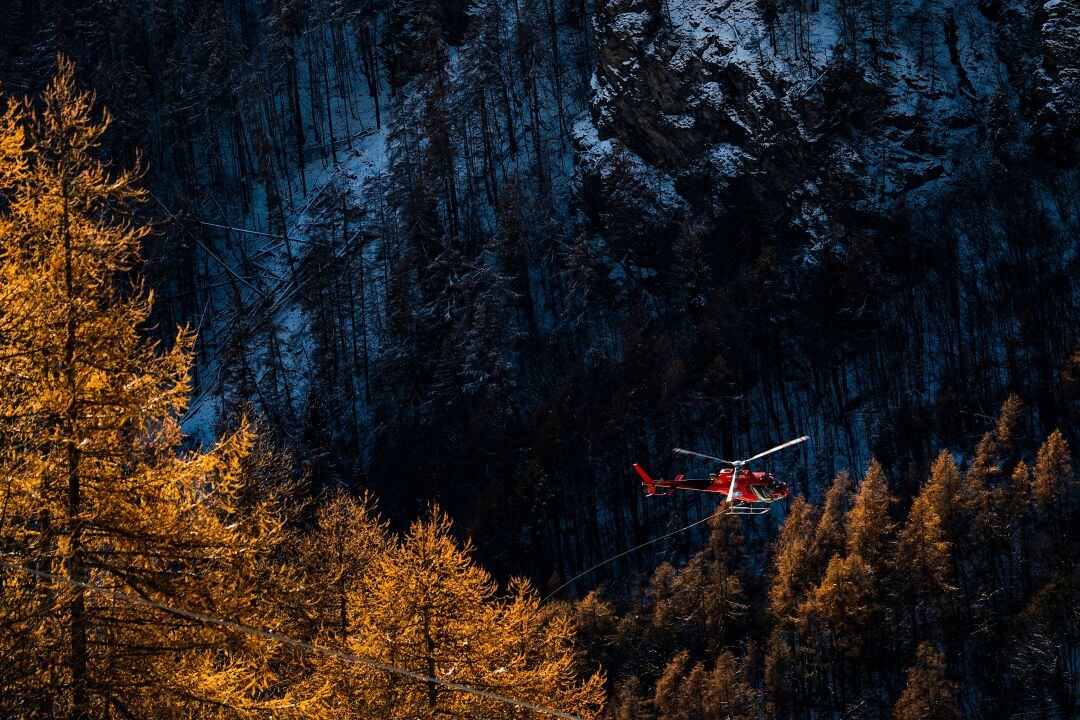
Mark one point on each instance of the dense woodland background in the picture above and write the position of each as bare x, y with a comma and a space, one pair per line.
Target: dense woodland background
491, 253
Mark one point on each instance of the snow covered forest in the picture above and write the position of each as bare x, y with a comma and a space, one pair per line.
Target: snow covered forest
447, 268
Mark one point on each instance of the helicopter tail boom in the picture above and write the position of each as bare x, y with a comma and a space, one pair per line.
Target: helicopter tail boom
651, 487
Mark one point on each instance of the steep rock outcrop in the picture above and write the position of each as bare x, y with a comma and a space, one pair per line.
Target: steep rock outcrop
1058, 79
822, 133
675, 80
695, 90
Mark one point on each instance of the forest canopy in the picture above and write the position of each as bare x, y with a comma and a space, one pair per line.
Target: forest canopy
331, 330
118, 545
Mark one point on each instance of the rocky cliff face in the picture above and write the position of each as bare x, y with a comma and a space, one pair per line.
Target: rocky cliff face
694, 92
817, 117
1057, 96
678, 82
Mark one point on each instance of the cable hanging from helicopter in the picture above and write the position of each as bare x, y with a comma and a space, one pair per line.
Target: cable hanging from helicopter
745, 492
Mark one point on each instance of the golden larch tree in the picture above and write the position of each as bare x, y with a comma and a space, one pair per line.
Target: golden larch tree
795, 561
697, 694
1054, 490
829, 535
322, 596
924, 553
729, 693
627, 702
928, 694
97, 492
940, 524
1052, 475
869, 525
705, 598
1020, 487
538, 654
957, 497
666, 700
845, 604
1001, 516
424, 605
333, 557
997, 443
1009, 424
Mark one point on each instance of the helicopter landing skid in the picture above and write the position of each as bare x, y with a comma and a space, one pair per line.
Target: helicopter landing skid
748, 509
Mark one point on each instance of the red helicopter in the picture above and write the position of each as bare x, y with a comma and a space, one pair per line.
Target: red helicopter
748, 492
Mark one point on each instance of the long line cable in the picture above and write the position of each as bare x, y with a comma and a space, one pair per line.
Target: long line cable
624, 553
293, 642
245, 231
271, 299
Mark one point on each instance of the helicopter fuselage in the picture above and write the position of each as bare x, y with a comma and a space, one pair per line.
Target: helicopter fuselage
750, 486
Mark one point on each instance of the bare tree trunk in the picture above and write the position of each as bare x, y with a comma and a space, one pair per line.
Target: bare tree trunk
76, 566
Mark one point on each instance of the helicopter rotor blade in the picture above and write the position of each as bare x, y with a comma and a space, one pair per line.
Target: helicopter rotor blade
734, 479
770, 451
703, 456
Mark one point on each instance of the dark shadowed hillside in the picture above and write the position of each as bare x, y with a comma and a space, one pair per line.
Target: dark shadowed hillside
449, 269
503, 250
